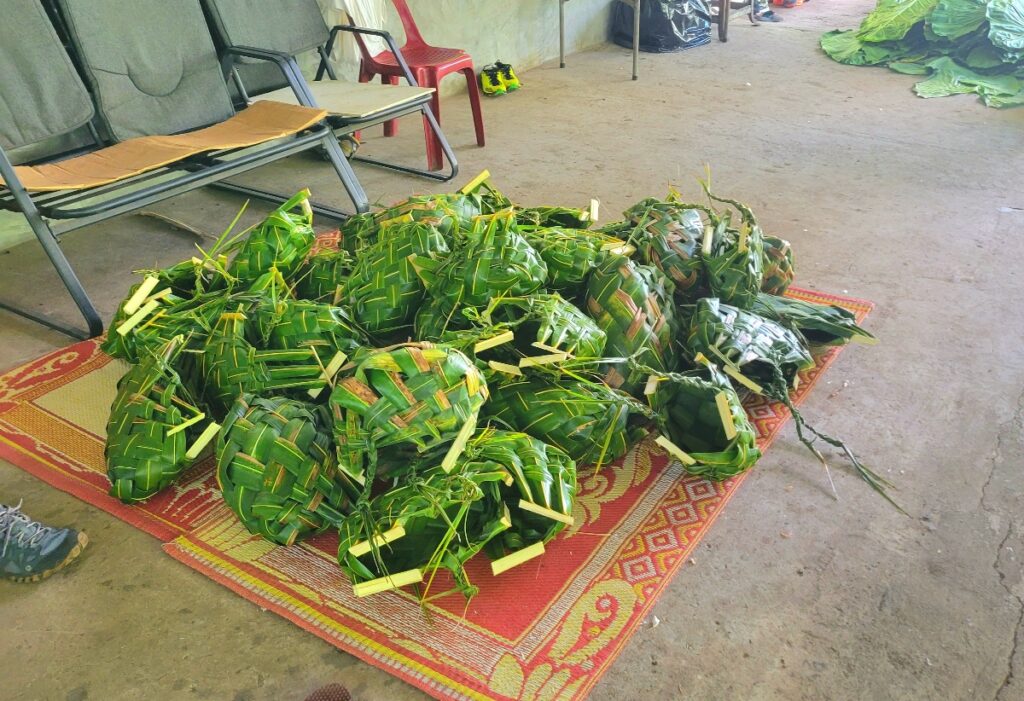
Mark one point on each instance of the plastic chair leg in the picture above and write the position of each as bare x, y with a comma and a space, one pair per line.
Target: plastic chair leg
435, 160
474, 103
390, 126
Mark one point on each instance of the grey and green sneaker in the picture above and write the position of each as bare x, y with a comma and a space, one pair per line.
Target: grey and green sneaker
30, 551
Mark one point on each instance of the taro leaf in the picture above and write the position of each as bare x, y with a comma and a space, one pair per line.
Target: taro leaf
982, 57
908, 68
1006, 27
1004, 100
950, 78
893, 19
845, 47
953, 19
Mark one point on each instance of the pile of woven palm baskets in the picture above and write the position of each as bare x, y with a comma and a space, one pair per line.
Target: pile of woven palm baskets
431, 389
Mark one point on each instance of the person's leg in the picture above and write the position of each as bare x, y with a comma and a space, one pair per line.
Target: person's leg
30, 551
763, 13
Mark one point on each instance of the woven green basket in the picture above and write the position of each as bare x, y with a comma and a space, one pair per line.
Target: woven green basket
492, 260
282, 240
761, 350
416, 394
277, 469
152, 422
668, 234
778, 266
323, 275
702, 416
230, 366
384, 292
570, 254
633, 305
591, 422
435, 520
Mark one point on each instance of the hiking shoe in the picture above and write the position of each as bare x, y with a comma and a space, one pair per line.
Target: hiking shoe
508, 76
490, 81
30, 551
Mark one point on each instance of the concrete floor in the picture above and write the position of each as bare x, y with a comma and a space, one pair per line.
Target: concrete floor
918, 205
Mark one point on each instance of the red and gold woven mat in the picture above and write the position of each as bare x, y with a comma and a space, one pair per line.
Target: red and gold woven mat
546, 630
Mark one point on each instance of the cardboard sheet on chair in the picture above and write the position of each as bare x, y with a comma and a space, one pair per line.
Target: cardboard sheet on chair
354, 100
262, 122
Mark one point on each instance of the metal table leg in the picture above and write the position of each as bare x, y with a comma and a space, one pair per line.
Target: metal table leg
636, 38
561, 33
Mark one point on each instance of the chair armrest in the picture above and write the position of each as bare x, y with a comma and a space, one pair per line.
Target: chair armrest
284, 61
386, 36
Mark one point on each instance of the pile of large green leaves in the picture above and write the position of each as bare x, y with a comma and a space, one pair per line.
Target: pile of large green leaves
963, 46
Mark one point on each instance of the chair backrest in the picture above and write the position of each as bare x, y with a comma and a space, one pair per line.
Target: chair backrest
151, 64
41, 95
412, 32
288, 26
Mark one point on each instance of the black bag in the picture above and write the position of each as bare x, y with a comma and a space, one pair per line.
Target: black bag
665, 25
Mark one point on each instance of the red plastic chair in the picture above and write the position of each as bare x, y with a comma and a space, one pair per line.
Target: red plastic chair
429, 64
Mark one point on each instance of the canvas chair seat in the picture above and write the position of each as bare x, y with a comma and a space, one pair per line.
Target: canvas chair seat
293, 27
263, 121
355, 101
155, 87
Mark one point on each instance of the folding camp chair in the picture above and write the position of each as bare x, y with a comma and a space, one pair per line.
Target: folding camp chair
286, 28
153, 71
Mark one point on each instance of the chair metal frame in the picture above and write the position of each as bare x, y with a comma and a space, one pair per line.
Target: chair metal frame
428, 114
77, 210
344, 126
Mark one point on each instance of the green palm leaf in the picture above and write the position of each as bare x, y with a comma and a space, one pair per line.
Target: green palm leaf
591, 422
152, 420
384, 291
416, 394
277, 469
282, 241
777, 265
702, 415
633, 305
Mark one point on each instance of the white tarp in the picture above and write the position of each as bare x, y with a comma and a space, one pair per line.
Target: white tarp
364, 13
